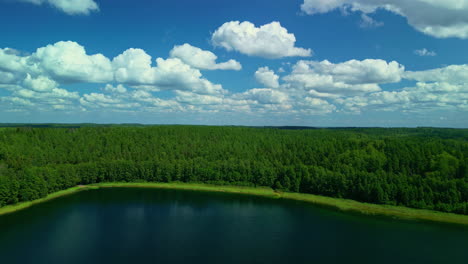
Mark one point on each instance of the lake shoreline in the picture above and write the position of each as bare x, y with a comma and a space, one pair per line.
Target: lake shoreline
345, 205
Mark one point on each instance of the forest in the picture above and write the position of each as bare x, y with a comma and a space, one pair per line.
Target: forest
412, 167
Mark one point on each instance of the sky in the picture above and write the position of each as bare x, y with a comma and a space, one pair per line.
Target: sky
386, 63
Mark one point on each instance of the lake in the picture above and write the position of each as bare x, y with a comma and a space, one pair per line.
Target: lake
134, 225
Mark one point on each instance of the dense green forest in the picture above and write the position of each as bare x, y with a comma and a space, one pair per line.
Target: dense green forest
420, 167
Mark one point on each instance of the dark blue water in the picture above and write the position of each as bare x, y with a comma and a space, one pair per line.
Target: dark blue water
168, 226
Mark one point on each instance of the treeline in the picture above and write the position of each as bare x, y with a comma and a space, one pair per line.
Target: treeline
420, 168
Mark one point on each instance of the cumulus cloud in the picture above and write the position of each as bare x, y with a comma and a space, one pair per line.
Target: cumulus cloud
265, 96
101, 98
311, 105
174, 74
119, 98
347, 78
17, 101
55, 98
39, 77
270, 41
355, 71
202, 59
422, 97
55, 93
425, 52
11, 62
98, 100
441, 19
65, 61
39, 84
115, 89
198, 99
444, 88
39, 81
7, 77
68, 61
70, 7
134, 67
450, 74
267, 77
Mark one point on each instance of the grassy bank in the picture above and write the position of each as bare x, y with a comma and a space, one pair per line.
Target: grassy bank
336, 203
19, 206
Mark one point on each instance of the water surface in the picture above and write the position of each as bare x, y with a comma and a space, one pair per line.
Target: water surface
131, 225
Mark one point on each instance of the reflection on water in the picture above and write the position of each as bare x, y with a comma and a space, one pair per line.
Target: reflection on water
168, 226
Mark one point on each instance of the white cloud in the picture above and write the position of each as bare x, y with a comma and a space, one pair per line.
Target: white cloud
9, 61
265, 96
450, 74
52, 98
39, 84
369, 22
420, 98
134, 67
37, 78
316, 94
67, 61
17, 101
176, 75
56, 93
313, 7
438, 18
151, 88
267, 77
198, 99
355, 71
312, 105
36, 82
100, 98
425, 52
269, 41
347, 78
7, 77
436, 89
115, 89
141, 96
202, 59
119, 98
70, 7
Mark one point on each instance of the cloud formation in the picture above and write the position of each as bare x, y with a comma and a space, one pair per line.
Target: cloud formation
265, 96
131, 81
270, 41
70, 7
451, 74
423, 97
134, 67
68, 61
267, 77
202, 59
346, 78
369, 22
437, 18
425, 53
35, 80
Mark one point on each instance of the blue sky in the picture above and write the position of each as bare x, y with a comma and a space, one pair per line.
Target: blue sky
283, 62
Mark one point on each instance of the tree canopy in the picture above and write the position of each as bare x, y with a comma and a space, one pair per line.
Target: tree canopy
419, 168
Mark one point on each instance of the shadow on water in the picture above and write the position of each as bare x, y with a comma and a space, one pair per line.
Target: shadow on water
129, 225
